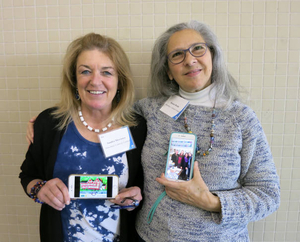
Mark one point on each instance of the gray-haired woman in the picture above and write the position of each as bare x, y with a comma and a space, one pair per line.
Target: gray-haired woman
238, 181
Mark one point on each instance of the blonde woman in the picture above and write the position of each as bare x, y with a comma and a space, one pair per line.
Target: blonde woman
96, 97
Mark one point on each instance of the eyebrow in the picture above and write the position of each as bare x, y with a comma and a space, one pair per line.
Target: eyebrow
103, 68
188, 47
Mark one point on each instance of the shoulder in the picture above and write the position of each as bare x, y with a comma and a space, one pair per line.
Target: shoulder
242, 115
240, 111
46, 119
149, 102
46, 113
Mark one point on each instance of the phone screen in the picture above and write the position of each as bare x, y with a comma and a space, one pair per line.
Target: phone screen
93, 186
180, 156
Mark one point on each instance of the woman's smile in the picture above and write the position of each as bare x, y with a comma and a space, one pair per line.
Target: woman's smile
193, 73
96, 92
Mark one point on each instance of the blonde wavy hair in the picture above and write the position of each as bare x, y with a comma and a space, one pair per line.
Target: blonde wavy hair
67, 109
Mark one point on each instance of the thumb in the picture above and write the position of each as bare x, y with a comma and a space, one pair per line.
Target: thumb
197, 174
196, 170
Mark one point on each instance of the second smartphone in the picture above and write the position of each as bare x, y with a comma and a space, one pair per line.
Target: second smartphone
181, 156
93, 186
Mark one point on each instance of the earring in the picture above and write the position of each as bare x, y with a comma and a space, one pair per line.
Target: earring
77, 94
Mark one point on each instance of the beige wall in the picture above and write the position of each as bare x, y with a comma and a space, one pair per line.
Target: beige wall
261, 40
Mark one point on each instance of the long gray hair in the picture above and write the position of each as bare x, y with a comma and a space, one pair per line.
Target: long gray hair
225, 85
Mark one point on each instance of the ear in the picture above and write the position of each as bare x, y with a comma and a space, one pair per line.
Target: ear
170, 75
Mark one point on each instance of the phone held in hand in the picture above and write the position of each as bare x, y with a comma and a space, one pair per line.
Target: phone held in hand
181, 156
84, 186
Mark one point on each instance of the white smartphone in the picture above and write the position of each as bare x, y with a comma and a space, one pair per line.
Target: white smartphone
181, 156
93, 186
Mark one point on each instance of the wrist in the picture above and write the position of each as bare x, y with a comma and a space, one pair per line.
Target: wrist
214, 203
210, 202
35, 190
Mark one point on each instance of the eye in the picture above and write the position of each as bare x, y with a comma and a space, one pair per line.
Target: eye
177, 54
198, 49
85, 72
107, 73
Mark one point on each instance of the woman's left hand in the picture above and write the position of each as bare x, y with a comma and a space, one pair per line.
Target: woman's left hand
127, 195
193, 192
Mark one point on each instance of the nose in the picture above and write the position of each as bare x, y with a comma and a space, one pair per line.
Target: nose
96, 78
189, 59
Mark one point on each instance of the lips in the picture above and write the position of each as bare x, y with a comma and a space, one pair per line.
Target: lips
193, 72
96, 92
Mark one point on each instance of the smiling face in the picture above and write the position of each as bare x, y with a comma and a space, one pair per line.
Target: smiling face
194, 73
97, 80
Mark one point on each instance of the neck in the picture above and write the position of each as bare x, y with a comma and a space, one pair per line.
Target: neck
204, 97
95, 116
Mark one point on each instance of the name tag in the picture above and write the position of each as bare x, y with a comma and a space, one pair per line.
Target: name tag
116, 141
174, 106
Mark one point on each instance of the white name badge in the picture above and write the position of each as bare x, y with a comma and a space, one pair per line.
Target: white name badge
174, 106
116, 141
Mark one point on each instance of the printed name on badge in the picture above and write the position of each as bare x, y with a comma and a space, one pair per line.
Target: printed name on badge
174, 106
116, 141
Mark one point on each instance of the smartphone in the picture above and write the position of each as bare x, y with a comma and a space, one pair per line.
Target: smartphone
181, 156
93, 186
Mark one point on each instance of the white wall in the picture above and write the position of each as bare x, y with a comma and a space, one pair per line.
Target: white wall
261, 40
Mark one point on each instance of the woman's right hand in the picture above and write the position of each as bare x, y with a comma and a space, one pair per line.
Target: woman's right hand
29, 130
193, 192
134, 193
55, 193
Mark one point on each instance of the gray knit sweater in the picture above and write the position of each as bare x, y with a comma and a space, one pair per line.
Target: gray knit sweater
239, 170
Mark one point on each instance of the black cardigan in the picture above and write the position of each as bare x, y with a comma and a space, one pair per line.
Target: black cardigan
39, 164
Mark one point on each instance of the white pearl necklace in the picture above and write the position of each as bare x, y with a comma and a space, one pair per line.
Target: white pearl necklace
89, 127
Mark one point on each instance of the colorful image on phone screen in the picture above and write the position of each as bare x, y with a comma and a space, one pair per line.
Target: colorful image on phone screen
180, 157
93, 186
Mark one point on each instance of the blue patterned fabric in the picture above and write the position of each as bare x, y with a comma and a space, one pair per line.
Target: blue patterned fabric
88, 219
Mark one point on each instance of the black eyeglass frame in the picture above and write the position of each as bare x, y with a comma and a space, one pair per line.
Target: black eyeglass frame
189, 50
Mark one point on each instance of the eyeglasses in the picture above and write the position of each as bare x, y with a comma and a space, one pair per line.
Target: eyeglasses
196, 50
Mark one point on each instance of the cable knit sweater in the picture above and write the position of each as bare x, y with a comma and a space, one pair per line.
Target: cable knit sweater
239, 170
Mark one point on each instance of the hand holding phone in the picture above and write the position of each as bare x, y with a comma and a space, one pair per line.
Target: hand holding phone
134, 203
188, 192
181, 156
93, 186
128, 198
55, 194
